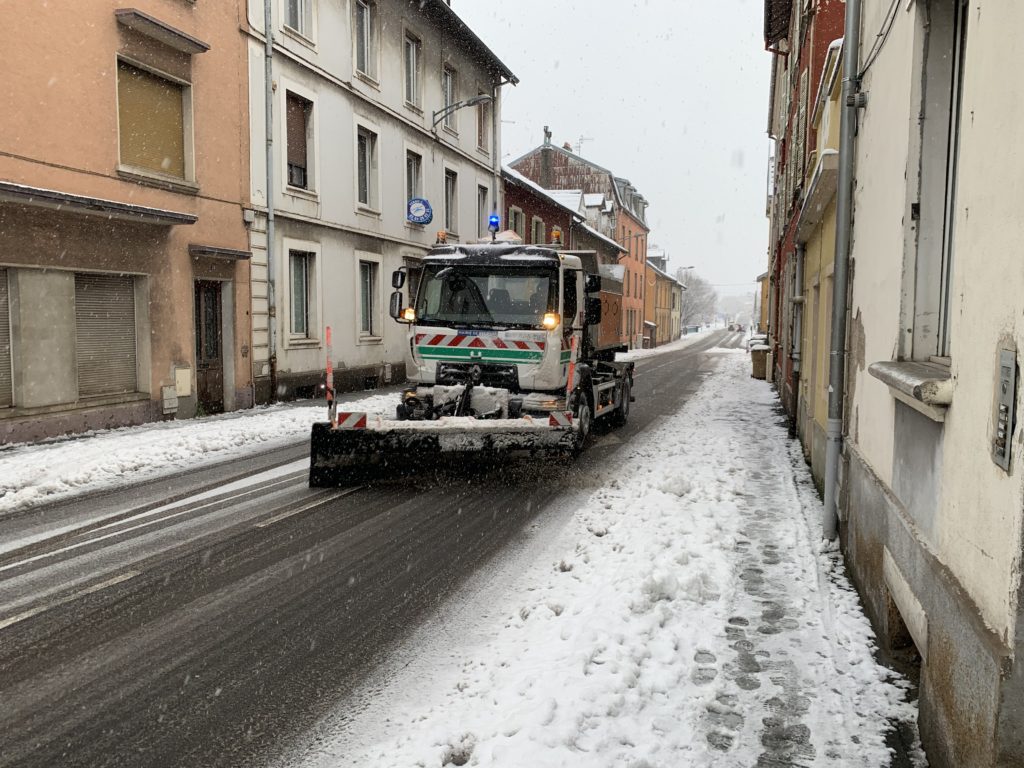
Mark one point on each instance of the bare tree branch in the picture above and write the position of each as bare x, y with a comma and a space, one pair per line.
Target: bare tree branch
700, 299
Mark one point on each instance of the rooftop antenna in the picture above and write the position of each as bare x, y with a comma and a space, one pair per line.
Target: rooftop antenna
579, 143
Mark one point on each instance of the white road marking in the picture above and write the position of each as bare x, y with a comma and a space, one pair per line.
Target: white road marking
216, 500
95, 539
68, 598
275, 476
317, 503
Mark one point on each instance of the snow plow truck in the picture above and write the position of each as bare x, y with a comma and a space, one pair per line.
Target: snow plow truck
505, 356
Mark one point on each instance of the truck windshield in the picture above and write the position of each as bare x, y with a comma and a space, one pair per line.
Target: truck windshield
486, 296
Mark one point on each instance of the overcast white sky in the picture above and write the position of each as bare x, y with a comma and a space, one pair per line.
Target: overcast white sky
673, 94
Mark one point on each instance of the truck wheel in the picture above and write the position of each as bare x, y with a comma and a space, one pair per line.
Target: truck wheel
584, 417
621, 415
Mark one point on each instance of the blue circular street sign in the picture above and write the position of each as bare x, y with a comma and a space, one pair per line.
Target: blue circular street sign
419, 211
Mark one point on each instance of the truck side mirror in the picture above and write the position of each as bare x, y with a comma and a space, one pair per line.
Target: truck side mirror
593, 310
398, 279
395, 310
593, 284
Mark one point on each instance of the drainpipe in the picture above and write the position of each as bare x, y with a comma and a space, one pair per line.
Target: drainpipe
844, 217
495, 145
798, 316
268, 76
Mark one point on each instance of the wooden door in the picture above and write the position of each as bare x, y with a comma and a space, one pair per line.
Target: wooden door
209, 347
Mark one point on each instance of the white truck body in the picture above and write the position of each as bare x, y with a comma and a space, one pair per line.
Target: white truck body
500, 359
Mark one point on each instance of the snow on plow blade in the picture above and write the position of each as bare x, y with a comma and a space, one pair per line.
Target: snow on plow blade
340, 456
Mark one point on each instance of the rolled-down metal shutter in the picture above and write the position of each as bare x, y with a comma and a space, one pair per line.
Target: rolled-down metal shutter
105, 334
5, 343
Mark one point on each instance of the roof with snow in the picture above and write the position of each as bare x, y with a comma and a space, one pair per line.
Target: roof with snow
570, 198
664, 274
625, 193
612, 271
511, 174
591, 231
592, 199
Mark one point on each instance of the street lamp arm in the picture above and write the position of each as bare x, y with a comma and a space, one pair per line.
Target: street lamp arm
441, 114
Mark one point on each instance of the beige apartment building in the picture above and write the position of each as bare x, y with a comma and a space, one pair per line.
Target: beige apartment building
124, 273
932, 484
374, 106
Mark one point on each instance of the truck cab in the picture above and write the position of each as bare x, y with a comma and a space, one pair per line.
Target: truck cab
506, 316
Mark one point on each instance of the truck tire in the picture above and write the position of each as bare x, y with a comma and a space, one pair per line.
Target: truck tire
585, 419
621, 415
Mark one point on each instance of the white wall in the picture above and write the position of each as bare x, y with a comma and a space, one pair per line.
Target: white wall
977, 520
982, 505
882, 210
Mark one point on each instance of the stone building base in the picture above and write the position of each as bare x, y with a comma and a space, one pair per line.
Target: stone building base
971, 707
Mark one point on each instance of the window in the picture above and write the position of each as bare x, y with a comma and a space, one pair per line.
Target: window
366, 167
413, 175
412, 70
517, 221
483, 126
368, 298
448, 91
366, 38
301, 266
940, 150
483, 212
298, 16
451, 200
299, 114
152, 117
569, 307
538, 233
105, 334
952, 169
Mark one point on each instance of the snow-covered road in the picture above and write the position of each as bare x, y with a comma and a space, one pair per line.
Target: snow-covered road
686, 615
56, 470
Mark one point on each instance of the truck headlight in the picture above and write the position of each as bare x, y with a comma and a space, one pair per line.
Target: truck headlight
551, 320
409, 315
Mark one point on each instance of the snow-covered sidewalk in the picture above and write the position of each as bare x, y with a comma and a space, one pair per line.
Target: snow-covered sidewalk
688, 614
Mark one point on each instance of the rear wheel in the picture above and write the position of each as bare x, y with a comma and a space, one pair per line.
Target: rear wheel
621, 415
584, 421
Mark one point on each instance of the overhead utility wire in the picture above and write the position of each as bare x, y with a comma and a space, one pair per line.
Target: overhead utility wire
881, 37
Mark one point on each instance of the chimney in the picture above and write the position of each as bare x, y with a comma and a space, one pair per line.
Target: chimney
545, 160
567, 146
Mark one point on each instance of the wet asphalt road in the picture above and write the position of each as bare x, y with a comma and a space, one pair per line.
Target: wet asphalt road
209, 631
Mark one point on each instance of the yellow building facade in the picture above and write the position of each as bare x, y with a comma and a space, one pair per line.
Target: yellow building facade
816, 233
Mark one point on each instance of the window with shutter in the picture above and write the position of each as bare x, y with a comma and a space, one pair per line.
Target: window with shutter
298, 115
151, 121
105, 334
